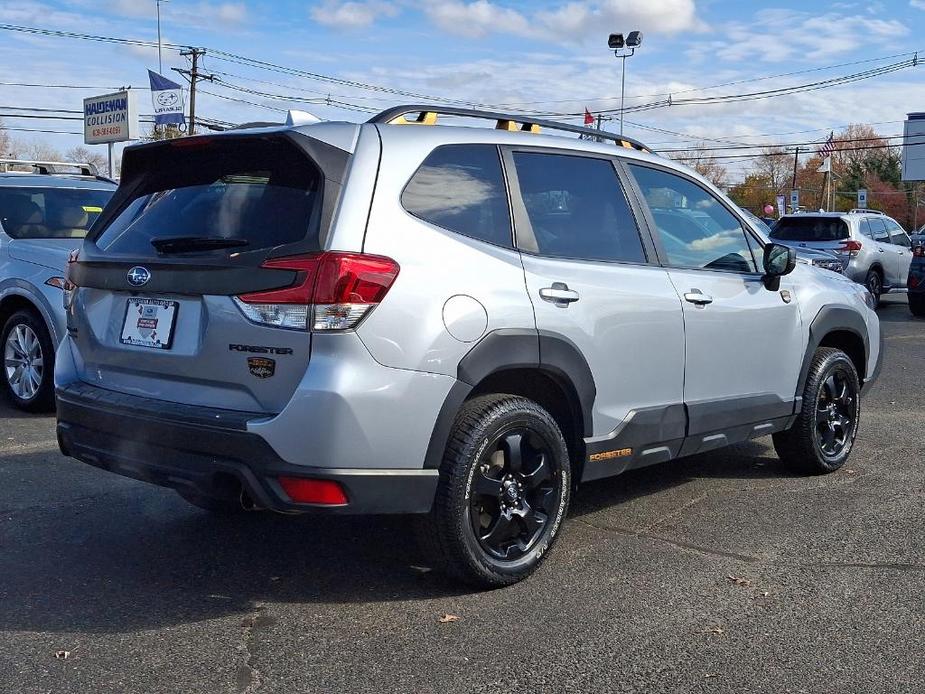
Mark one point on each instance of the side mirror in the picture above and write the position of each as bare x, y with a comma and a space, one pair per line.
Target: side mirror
779, 260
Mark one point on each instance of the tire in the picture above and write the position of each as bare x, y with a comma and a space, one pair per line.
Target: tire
494, 519
917, 305
874, 284
28, 369
823, 435
213, 504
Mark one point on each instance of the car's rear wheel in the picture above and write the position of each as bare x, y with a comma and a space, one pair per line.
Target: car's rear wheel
874, 284
821, 439
28, 362
917, 305
504, 489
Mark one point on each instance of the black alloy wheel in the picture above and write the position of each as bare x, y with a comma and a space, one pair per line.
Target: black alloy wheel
835, 414
513, 493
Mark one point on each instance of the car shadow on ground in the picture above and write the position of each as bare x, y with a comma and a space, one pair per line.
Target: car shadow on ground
136, 557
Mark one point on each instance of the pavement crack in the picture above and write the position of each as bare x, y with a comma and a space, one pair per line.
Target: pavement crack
677, 544
248, 678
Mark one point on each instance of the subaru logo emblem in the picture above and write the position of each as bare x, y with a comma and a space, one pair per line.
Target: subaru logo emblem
138, 276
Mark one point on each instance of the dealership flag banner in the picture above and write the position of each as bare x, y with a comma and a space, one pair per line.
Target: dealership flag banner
167, 98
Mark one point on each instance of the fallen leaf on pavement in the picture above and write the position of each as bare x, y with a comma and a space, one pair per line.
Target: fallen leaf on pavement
446, 618
739, 581
62, 655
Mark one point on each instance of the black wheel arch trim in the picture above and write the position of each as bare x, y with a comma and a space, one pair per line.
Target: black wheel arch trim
514, 348
832, 319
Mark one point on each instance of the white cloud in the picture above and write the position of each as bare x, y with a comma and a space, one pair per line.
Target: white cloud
779, 35
186, 13
352, 15
571, 21
917, 4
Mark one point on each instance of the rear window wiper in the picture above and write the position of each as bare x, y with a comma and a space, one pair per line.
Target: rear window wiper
182, 244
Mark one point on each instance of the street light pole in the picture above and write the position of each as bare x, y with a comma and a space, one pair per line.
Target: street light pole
622, 92
623, 48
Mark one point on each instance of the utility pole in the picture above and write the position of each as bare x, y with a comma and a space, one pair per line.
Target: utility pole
193, 75
600, 124
796, 162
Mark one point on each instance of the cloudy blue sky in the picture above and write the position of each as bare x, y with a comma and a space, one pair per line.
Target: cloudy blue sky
548, 56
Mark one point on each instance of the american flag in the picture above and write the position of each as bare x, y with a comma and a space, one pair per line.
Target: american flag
827, 148
589, 118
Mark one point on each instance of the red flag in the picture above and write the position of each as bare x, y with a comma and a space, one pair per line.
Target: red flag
589, 119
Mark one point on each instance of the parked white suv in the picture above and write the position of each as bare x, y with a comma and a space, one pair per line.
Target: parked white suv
458, 322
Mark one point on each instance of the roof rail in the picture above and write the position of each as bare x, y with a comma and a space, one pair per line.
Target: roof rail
864, 210
427, 115
51, 167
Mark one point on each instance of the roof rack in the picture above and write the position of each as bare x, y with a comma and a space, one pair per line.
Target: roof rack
51, 167
427, 115
864, 210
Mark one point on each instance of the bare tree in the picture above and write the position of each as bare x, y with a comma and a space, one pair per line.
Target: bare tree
6, 143
775, 165
700, 159
84, 155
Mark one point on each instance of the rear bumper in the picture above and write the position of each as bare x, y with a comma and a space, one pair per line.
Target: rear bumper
210, 452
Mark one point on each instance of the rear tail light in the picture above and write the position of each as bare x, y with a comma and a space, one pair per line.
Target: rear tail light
304, 490
331, 291
913, 281
919, 251
851, 247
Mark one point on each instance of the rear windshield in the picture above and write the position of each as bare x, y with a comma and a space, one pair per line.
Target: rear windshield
50, 213
810, 229
255, 194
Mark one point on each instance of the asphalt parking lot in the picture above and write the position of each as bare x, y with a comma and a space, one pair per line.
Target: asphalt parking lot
719, 573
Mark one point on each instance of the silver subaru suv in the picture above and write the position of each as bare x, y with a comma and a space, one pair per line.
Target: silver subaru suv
875, 250
458, 322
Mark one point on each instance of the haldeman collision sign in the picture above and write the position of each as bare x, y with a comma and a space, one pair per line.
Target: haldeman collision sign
111, 118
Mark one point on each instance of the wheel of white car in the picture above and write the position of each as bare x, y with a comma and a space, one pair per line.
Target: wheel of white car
28, 362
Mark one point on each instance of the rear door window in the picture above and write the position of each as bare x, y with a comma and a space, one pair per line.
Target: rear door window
252, 194
50, 212
461, 188
576, 208
811, 229
878, 230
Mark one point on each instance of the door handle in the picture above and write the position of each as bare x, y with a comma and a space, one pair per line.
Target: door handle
879, 249
695, 296
559, 293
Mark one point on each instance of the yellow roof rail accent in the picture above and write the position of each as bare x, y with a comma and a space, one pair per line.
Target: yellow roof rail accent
424, 118
514, 126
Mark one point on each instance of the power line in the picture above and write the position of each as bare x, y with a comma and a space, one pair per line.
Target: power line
717, 86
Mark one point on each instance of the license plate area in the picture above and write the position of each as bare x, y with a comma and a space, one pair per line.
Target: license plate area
149, 323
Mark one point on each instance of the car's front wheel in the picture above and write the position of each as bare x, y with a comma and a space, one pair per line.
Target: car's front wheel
874, 284
28, 362
823, 435
504, 490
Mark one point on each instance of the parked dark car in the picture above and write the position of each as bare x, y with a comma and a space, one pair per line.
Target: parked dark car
916, 281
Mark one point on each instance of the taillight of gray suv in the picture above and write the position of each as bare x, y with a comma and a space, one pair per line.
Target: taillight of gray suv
457, 322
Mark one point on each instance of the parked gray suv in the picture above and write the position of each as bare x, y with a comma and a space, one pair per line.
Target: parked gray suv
458, 322
875, 249
45, 211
